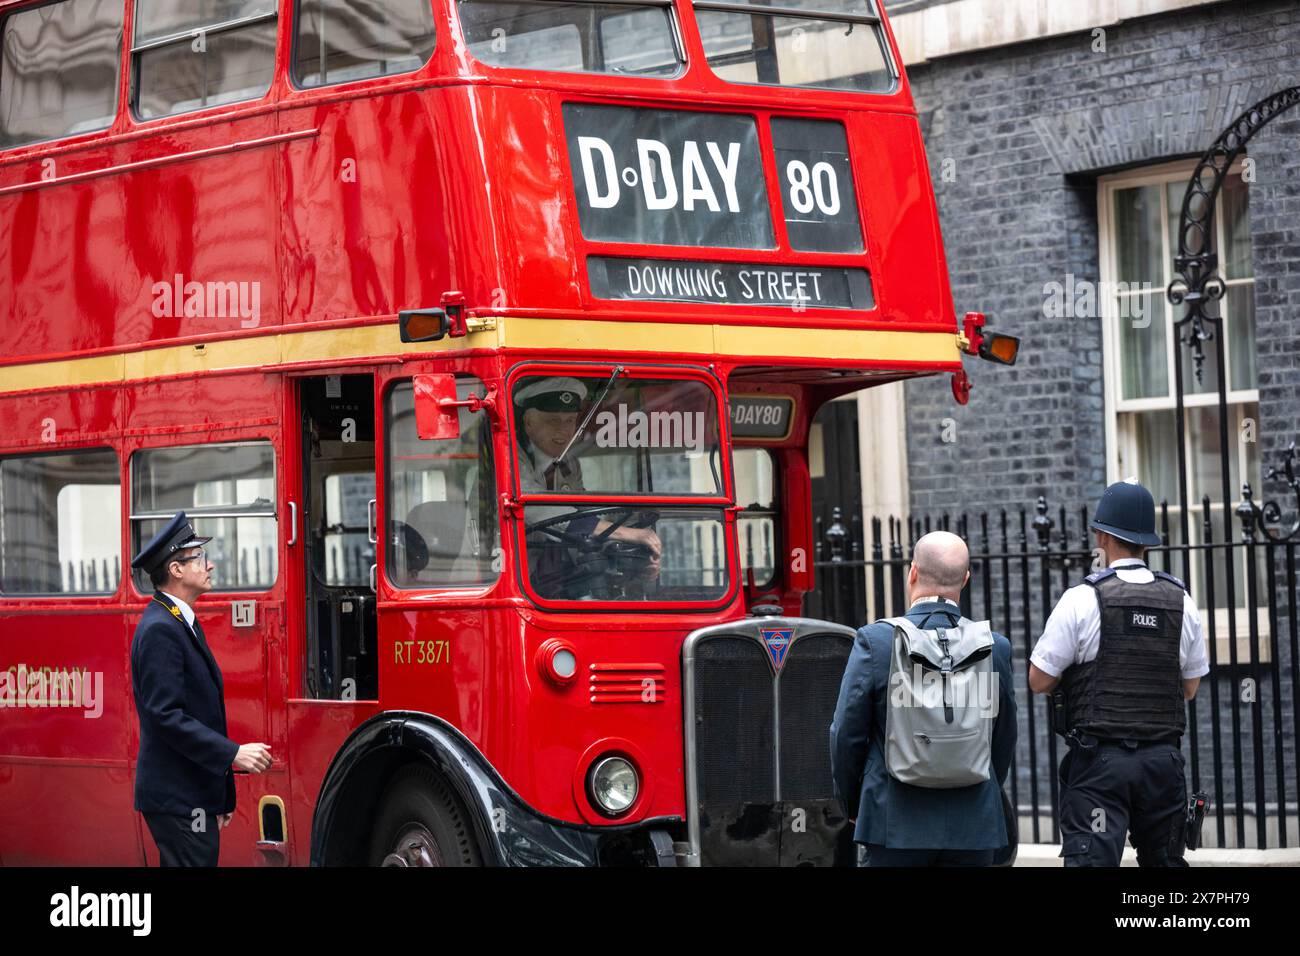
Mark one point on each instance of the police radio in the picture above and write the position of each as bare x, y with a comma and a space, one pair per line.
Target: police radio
1196, 806
1057, 713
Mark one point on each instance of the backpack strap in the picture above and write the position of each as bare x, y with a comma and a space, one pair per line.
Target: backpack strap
902, 622
959, 636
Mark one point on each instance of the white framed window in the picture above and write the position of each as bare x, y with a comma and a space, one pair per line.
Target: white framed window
189, 56
1139, 213
227, 490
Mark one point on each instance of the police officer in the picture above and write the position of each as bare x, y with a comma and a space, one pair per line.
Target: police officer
184, 783
547, 415
1126, 650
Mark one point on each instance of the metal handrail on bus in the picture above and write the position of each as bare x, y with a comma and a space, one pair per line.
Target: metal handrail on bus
215, 28
193, 512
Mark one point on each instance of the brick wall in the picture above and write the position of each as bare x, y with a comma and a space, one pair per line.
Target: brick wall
1027, 129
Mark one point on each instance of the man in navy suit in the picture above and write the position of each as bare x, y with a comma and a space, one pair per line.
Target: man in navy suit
904, 825
184, 775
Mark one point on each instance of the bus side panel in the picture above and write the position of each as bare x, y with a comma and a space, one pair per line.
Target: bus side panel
205, 409
66, 781
364, 235
317, 731
444, 661
902, 221
65, 771
539, 264
203, 227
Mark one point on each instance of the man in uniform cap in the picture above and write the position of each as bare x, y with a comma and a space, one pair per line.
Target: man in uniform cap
549, 409
1126, 648
548, 414
184, 782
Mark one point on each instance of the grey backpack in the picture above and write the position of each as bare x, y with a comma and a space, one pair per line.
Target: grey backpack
943, 696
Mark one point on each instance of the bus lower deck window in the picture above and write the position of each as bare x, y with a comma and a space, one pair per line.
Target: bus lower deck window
61, 523
227, 490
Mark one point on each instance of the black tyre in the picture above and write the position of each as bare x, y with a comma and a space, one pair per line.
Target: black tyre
421, 823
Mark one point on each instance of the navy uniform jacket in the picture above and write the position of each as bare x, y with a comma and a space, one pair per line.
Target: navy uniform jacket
185, 757
898, 815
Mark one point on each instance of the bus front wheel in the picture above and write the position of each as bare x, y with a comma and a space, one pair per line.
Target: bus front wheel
421, 823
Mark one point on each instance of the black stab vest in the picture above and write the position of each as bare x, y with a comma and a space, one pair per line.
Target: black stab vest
1133, 688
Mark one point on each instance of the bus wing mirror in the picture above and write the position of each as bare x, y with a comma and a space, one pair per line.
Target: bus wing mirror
999, 348
991, 346
436, 411
422, 325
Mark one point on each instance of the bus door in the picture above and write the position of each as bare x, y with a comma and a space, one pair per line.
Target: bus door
333, 682
337, 532
768, 432
211, 446
440, 547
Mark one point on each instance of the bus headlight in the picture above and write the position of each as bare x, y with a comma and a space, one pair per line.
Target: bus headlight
613, 785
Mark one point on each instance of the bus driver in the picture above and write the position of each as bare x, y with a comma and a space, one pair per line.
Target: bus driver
548, 412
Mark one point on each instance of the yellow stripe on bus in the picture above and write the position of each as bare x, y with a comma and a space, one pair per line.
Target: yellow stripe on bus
515, 333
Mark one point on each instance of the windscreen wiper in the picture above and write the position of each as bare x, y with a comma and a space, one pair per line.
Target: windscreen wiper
618, 370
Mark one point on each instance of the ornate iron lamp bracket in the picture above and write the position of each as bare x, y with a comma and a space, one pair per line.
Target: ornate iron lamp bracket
1198, 281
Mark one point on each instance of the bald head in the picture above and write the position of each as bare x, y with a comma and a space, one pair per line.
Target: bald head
942, 560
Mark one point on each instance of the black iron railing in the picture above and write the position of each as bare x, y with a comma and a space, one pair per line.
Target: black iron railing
1245, 719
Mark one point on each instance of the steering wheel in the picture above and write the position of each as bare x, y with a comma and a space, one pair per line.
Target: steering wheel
417, 549
626, 557
548, 526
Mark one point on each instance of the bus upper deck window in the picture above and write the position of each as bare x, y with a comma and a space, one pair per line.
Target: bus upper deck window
578, 37
58, 70
831, 44
186, 58
336, 41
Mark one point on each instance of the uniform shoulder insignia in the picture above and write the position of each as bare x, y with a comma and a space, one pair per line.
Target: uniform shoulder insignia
175, 611
1166, 576
1098, 576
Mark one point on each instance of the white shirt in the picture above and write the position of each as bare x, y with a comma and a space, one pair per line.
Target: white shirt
933, 597
1073, 632
532, 478
532, 472
186, 610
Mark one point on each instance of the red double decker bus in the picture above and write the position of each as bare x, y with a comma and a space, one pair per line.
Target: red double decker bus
483, 337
